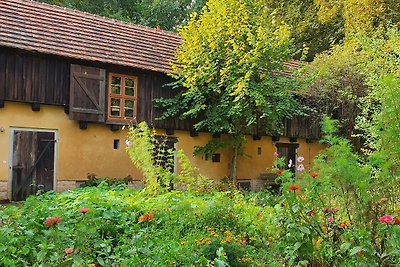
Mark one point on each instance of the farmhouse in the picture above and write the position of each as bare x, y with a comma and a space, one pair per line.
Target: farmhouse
69, 83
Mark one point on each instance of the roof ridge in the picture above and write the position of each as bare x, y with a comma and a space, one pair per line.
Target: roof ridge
49, 29
104, 18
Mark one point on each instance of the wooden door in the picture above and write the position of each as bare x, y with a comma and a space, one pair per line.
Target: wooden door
289, 151
32, 162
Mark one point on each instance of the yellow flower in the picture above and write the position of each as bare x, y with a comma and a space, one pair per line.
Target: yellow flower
318, 242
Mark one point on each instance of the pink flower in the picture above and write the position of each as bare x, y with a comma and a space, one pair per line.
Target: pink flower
69, 251
330, 219
128, 142
83, 210
300, 168
300, 159
386, 219
330, 210
276, 154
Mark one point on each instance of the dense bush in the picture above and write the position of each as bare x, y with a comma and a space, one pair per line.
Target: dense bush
117, 226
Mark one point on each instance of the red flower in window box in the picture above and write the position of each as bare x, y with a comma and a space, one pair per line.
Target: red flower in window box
278, 172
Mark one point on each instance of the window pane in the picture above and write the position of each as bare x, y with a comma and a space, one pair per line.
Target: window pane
116, 80
115, 85
115, 89
129, 82
129, 87
115, 107
129, 108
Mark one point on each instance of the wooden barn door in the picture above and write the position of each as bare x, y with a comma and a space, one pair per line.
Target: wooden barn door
33, 154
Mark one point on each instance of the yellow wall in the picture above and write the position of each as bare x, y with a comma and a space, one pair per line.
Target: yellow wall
251, 165
91, 151
79, 151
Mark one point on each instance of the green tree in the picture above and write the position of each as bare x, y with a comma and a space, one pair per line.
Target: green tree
310, 34
228, 65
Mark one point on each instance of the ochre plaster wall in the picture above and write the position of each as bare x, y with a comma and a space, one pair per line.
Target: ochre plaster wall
81, 152
251, 164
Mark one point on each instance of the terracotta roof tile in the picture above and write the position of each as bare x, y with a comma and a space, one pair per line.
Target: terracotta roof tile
65, 32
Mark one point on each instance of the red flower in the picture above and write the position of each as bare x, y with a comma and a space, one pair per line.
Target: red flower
397, 221
293, 187
386, 219
278, 172
311, 212
50, 221
69, 251
83, 210
259, 214
313, 175
150, 216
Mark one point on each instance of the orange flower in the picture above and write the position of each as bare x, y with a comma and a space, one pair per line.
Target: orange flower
278, 172
293, 187
142, 218
397, 221
343, 225
50, 221
313, 175
146, 217
360, 253
83, 210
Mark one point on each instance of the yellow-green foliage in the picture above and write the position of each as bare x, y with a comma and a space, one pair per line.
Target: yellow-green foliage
140, 147
360, 16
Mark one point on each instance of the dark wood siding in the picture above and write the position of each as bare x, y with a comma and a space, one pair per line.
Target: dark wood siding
154, 87
302, 127
29, 78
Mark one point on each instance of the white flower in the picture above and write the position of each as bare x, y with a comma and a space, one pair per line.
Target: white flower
300, 159
290, 163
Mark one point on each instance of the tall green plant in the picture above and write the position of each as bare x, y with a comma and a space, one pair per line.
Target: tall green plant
151, 155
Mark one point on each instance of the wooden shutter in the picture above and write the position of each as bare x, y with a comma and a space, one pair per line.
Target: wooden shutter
87, 94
